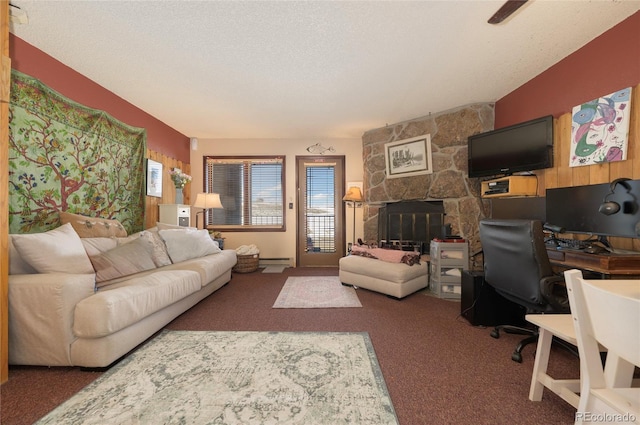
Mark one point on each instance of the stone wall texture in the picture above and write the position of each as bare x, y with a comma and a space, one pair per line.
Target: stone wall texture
449, 181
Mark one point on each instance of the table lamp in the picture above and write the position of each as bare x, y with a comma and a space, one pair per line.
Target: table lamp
206, 201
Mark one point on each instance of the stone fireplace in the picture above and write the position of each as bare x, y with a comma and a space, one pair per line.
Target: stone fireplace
449, 181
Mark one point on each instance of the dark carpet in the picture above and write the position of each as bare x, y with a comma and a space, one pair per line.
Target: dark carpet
438, 368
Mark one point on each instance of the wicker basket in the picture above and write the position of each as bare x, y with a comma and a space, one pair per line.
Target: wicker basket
247, 263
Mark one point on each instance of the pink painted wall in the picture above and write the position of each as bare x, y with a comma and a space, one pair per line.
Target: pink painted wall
606, 64
34, 62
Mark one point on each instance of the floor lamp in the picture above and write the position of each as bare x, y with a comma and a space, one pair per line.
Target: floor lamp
353, 197
206, 201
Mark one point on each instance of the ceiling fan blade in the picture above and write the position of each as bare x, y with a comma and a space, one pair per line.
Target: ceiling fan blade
506, 10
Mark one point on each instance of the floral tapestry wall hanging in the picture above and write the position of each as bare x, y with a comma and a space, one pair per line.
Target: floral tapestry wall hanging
600, 129
64, 156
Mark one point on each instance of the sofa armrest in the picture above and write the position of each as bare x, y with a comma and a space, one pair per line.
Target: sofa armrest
41, 308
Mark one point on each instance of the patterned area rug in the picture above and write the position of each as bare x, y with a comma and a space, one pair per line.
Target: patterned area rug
252, 378
316, 292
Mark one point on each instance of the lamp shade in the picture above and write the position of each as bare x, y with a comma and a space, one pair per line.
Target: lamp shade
208, 200
353, 195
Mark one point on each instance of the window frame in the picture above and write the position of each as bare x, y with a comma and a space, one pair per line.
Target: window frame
245, 227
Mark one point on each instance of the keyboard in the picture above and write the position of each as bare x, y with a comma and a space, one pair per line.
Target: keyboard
565, 243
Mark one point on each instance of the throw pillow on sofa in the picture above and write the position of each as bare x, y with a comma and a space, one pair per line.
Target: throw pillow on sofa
123, 260
158, 249
185, 244
95, 246
17, 265
57, 251
93, 227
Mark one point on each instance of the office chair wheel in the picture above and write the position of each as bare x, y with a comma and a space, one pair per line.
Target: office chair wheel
516, 357
495, 334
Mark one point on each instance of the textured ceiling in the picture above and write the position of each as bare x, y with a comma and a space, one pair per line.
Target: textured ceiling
308, 69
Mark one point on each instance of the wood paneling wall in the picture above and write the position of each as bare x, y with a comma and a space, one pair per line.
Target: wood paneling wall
5, 84
168, 189
561, 175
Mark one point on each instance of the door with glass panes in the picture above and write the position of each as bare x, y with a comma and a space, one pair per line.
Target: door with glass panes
320, 212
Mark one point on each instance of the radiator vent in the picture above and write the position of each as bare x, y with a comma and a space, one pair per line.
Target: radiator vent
276, 262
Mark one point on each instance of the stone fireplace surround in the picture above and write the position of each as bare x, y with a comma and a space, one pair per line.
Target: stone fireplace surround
449, 181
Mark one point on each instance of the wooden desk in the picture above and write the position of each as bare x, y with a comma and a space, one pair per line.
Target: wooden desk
606, 264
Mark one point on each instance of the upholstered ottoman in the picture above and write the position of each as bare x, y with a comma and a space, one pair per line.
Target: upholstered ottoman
394, 279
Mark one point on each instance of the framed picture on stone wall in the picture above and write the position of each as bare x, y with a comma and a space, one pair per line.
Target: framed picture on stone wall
408, 157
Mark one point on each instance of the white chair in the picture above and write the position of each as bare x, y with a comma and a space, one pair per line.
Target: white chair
552, 326
606, 312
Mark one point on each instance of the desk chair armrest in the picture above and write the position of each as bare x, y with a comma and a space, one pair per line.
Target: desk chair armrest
554, 290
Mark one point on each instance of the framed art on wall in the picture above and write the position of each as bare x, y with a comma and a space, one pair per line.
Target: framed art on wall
154, 178
408, 157
600, 129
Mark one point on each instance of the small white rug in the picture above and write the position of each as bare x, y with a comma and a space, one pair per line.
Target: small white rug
316, 292
238, 378
273, 269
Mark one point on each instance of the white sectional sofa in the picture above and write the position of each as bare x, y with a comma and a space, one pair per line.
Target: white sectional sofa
88, 301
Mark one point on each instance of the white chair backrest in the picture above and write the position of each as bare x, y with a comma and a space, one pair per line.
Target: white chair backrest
615, 320
601, 316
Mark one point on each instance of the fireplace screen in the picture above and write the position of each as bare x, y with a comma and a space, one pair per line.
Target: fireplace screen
411, 225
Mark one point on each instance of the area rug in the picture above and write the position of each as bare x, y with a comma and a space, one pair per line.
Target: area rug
191, 377
273, 269
316, 292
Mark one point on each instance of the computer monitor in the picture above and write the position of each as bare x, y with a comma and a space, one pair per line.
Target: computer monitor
575, 209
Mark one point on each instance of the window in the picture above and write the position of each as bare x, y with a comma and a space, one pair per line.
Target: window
251, 191
320, 206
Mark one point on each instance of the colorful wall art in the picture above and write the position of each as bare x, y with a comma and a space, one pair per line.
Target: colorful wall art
600, 129
64, 156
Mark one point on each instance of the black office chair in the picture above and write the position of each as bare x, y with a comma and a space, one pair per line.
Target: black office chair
517, 266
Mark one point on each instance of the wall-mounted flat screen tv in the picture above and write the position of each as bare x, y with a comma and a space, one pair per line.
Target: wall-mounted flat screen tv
518, 148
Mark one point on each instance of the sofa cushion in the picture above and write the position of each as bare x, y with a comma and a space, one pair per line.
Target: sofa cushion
17, 265
129, 238
185, 244
57, 251
95, 246
158, 249
123, 260
210, 267
93, 227
110, 310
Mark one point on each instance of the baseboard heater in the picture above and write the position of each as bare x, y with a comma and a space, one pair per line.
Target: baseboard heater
275, 262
